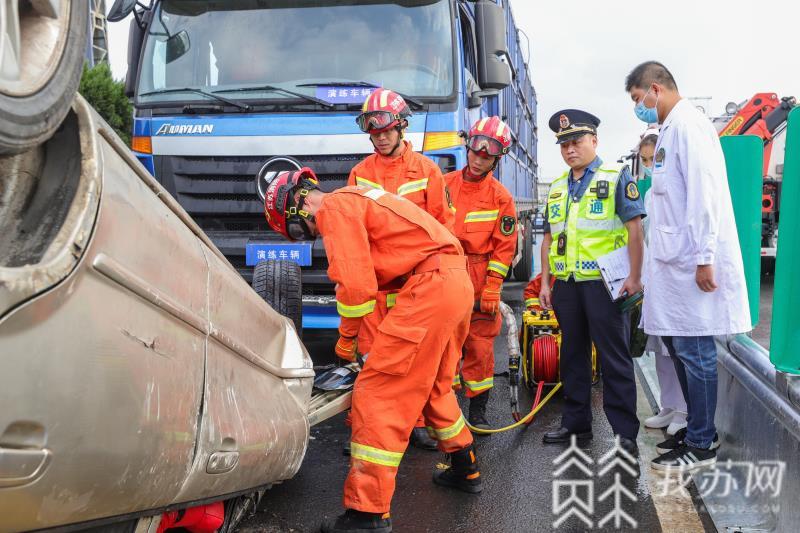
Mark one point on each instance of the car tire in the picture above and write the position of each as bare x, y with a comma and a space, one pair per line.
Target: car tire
36, 95
524, 267
280, 284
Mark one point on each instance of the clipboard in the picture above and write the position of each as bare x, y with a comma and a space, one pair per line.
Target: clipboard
615, 267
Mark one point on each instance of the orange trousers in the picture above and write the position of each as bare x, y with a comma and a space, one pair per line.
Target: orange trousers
384, 301
477, 368
409, 372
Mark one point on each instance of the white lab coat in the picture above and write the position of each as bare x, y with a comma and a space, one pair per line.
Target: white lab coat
692, 223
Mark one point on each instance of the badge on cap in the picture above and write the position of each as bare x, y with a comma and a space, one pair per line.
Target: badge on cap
563, 121
632, 191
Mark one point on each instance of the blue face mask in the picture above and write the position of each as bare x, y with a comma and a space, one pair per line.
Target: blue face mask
648, 115
648, 172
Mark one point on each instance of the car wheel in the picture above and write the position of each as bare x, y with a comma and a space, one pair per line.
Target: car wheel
42, 46
280, 284
524, 267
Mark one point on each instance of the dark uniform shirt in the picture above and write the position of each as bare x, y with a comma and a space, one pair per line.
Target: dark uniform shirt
626, 208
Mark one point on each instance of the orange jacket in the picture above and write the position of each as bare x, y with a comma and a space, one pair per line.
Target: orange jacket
412, 176
486, 220
531, 291
371, 239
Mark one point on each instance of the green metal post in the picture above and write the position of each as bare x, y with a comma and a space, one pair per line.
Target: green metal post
785, 338
744, 159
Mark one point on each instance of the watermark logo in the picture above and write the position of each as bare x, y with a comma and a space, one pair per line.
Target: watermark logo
753, 478
591, 493
575, 497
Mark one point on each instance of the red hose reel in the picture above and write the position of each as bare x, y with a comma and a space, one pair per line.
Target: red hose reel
544, 353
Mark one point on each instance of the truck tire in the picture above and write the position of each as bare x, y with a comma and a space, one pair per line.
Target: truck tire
42, 47
280, 285
524, 268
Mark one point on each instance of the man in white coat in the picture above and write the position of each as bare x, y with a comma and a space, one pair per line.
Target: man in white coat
695, 286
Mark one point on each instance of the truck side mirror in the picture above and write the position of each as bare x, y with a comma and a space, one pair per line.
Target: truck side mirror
135, 40
120, 10
177, 45
490, 22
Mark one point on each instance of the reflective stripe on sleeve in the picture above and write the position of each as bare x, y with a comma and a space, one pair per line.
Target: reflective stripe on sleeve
355, 311
531, 301
483, 384
391, 300
482, 216
450, 432
375, 455
364, 182
412, 186
558, 227
497, 266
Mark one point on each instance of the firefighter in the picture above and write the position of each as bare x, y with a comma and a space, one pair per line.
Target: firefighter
486, 225
372, 237
531, 293
396, 168
592, 209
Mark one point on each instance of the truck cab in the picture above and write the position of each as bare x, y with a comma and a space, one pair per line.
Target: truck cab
211, 111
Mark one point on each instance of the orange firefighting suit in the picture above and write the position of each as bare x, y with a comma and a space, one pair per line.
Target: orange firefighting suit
531, 292
372, 239
414, 177
486, 226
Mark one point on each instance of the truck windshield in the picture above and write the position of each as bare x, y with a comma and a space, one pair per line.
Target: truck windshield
248, 45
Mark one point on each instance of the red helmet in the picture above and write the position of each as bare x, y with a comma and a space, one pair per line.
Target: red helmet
383, 109
490, 135
279, 206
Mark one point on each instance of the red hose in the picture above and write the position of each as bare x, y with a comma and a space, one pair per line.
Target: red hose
545, 359
539, 389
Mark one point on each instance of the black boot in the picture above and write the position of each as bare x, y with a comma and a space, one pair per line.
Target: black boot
477, 411
421, 439
462, 474
353, 521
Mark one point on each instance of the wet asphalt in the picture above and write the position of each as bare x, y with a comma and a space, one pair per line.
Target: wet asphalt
518, 472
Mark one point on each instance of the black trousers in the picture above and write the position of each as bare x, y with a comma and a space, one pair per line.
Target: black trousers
586, 314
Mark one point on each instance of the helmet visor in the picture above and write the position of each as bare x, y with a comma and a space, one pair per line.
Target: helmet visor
298, 230
482, 143
374, 120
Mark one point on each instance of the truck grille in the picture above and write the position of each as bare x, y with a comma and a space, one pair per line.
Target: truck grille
220, 195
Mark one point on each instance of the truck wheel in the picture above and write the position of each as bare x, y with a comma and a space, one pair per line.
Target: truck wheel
42, 47
523, 269
280, 285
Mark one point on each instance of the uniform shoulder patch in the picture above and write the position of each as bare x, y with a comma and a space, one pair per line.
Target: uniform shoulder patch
632, 191
507, 225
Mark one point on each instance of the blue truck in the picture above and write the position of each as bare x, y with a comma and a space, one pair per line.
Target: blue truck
221, 89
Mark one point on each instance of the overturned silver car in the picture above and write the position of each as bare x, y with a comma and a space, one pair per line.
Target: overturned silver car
138, 371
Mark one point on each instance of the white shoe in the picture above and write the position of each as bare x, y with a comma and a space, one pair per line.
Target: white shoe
678, 422
661, 420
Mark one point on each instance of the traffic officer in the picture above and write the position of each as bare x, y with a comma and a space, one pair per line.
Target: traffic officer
486, 225
592, 209
395, 167
372, 237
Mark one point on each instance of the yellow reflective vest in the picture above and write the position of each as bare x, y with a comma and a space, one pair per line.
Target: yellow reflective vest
592, 226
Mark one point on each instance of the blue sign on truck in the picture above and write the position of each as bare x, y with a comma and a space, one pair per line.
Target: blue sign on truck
221, 88
299, 252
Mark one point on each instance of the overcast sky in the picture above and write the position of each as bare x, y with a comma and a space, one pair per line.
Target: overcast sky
582, 50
